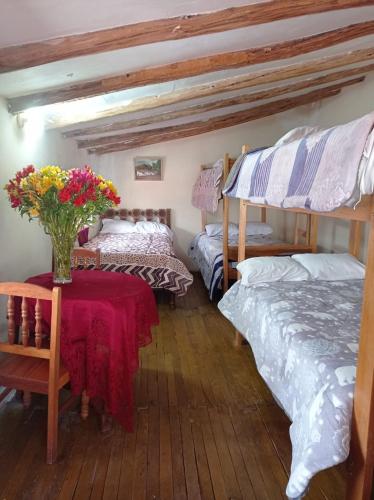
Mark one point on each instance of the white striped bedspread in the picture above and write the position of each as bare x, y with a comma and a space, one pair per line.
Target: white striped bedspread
147, 256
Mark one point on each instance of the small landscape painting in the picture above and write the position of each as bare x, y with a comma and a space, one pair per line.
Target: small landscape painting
148, 168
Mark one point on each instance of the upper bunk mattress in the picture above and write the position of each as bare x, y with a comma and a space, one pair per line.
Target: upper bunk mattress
321, 172
304, 336
149, 256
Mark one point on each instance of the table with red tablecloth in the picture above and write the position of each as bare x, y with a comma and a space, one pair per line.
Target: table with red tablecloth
106, 317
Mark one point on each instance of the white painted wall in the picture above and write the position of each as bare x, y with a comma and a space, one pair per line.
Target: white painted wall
182, 160
25, 249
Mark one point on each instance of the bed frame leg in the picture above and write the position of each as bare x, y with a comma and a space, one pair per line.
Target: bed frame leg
171, 300
238, 341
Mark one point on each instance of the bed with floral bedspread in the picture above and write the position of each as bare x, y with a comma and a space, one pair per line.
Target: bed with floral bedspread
148, 256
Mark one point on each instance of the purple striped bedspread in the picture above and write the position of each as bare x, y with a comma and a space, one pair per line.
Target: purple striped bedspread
319, 172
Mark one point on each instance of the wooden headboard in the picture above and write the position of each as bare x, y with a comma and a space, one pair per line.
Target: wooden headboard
162, 215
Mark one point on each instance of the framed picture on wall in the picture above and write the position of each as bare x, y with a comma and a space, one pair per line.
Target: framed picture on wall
148, 168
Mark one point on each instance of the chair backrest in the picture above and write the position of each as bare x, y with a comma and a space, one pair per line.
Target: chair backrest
85, 257
31, 311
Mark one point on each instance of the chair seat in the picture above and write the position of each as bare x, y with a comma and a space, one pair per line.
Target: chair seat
28, 374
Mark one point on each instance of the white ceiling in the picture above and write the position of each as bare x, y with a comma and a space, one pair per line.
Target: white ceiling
25, 21
85, 68
74, 110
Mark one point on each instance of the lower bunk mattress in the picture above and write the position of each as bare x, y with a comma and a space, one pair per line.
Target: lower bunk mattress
304, 337
148, 256
207, 253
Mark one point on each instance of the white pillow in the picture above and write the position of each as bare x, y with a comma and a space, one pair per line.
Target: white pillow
331, 266
296, 134
147, 227
269, 269
258, 229
94, 228
217, 229
117, 226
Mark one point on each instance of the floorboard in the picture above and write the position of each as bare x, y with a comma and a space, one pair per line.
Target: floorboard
206, 427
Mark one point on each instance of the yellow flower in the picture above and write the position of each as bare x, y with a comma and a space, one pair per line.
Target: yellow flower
102, 186
47, 177
33, 199
58, 183
50, 170
33, 212
30, 179
46, 183
111, 187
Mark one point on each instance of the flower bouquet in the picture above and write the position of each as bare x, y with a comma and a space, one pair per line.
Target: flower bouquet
63, 201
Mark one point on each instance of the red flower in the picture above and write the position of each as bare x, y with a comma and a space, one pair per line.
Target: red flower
24, 173
79, 201
90, 193
64, 195
15, 202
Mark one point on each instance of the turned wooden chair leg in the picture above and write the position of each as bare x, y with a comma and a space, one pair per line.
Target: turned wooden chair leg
26, 398
85, 405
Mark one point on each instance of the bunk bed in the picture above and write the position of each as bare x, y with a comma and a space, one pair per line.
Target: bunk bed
338, 376
216, 256
261, 248
142, 246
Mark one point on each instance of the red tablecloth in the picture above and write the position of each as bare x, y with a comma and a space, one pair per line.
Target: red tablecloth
105, 318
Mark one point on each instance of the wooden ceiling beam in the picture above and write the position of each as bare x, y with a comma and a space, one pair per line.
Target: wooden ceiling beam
112, 139
135, 140
219, 86
56, 49
193, 67
222, 103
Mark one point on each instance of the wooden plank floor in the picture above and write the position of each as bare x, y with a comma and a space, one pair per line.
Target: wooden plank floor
206, 428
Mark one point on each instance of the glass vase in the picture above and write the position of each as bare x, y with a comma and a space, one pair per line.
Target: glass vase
62, 259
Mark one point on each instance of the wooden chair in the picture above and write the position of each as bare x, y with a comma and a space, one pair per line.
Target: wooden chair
29, 366
84, 256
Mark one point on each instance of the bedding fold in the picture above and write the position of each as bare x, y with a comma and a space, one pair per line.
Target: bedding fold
320, 172
206, 191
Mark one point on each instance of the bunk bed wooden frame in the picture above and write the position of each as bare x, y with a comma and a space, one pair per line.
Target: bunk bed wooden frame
361, 460
230, 252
